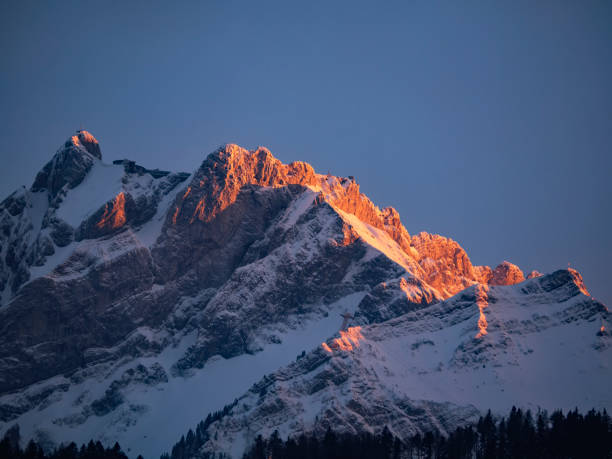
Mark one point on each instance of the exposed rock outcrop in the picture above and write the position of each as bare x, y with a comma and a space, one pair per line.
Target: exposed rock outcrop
446, 265
218, 181
70, 164
533, 274
507, 274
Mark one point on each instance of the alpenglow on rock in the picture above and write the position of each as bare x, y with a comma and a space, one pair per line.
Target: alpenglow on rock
129, 293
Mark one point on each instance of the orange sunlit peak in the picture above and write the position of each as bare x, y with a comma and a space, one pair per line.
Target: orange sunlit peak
176, 212
602, 329
114, 217
187, 192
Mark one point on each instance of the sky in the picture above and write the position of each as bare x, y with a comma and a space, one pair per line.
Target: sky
487, 122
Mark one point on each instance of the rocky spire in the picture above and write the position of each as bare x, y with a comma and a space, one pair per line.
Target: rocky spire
86, 140
69, 165
507, 273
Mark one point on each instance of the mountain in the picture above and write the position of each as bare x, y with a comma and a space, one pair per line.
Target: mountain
535, 343
132, 296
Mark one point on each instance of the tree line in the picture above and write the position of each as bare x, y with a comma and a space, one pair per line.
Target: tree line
10, 449
519, 435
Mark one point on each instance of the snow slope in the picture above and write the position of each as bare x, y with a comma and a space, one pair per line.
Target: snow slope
102, 184
68, 416
435, 368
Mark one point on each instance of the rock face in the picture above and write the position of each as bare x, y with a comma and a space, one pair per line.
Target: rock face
219, 180
445, 264
533, 274
507, 274
70, 164
126, 289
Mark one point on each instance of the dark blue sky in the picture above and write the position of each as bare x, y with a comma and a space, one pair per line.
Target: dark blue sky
489, 122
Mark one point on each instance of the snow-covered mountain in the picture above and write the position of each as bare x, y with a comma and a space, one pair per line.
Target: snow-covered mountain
537, 344
133, 296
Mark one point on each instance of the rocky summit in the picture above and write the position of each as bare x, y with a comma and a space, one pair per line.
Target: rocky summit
130, 296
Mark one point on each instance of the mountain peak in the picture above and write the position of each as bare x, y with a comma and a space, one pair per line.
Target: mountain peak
578, 281
86, 140
229, 150
230, 168
507, 273
566, 283
70, 164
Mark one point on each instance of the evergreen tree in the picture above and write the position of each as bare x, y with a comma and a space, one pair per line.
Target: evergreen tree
275, 446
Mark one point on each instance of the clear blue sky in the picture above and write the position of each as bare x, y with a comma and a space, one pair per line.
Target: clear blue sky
489, 122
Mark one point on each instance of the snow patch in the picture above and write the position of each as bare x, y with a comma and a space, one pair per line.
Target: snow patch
378, 239
101, 185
